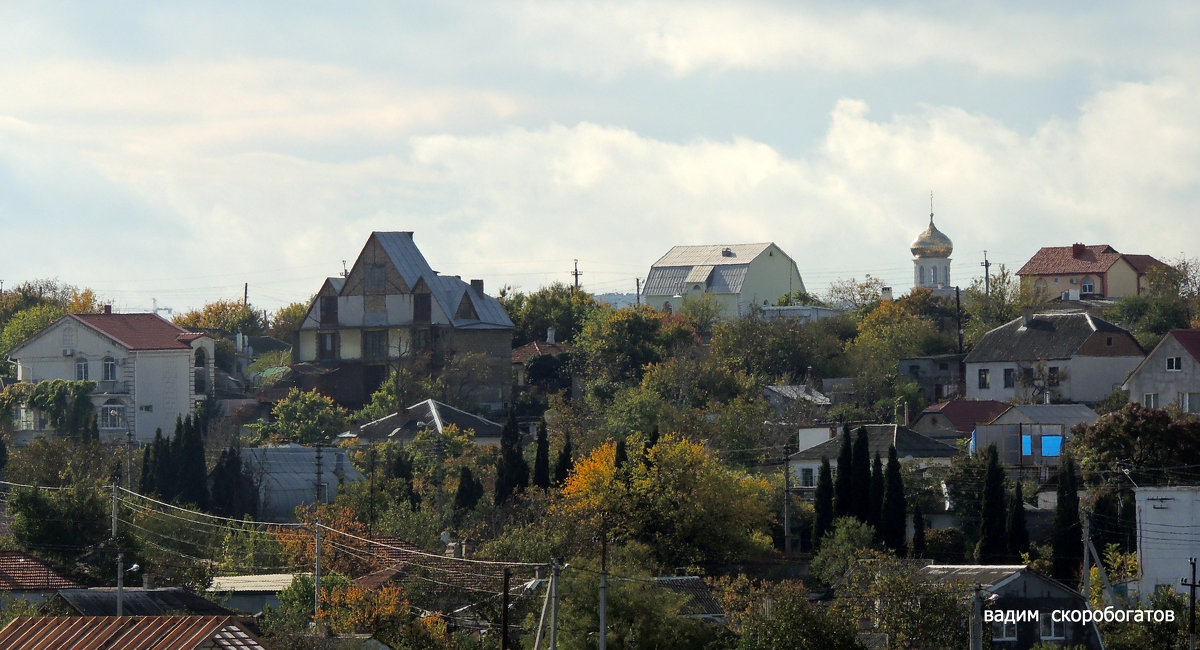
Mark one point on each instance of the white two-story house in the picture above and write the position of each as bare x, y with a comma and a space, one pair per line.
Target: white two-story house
1170, 374
148, 371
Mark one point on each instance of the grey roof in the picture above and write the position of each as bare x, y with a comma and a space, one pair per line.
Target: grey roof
712, 254
138, 602
799, 391
430, 413
706, 265
1067, 415
270, 583
287, 477
1049, 336
447, 290
909, 444
991, 577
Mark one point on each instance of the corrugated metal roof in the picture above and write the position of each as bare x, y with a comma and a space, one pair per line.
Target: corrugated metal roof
1068, 415
729, 279
137, 601
446, 290
712, 255
699, 274
666, 280
267, 582
128, 633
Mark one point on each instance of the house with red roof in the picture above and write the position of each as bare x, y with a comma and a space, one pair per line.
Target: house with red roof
957, 418
25, 577
1080, 271
1170, 374
147, 371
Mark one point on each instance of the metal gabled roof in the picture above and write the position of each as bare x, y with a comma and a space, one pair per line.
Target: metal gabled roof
129, 633
713, 255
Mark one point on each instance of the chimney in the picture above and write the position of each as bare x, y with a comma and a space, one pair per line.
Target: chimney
477, 285
726, 252
1077, 250
108, 309
147, 580
550, 335
1026, 316
885, 294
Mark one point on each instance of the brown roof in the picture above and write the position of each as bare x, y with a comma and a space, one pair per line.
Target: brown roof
1190, 340
1142, 263
128, 633
22, 572
537, 349
1055, 260
139, 331
964, 414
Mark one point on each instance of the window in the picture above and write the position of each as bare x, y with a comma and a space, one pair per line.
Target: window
110, 369
81, 369
329, 309
112, 415
1174, 364
806, 477
375, 345
914, 371
1051, 630
327, 346
1010, 377
1052, 376
1051, 446
934, 272
375, 278
1189, 402
422, 308
1004, 631
1150, 400
1108, 341
1026, 444
1088, 286
1027, 376
921, 273
420, 340
985, 378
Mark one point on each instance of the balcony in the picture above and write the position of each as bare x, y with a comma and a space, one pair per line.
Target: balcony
112, 387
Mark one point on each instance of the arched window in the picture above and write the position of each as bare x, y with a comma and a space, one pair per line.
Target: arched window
81, 369
921, 272
112, 415
110, 369
201, 358
1087, 286
934, 270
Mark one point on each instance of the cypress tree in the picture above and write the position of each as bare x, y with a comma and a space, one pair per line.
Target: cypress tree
468, 493
876, 504
146, 484
1018, 534
822, 504
512, 474
223, 485
1068, 554
860, 476
992, 547
160, 456
402, 468
894, 518
193, 479
918, 540
564, 462
541, 459
843, 489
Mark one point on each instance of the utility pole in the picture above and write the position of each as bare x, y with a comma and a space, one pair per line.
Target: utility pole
120, 555
638, 295
603, 584
977, 620
1087, 571
576, 273
128, 456
958, 313
553, 603
787, 509
987, 287
504, 611
317, 548
245, 294
1191, 604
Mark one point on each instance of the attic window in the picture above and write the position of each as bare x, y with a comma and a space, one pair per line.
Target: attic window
375, 278
422, 307
1174, 364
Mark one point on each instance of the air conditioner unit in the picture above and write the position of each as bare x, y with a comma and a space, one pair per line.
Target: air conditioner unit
68, 352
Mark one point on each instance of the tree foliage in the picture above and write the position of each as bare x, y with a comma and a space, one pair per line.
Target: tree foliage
287, 320
560, 306
894, 516
992, 547
617, 344
229, 315
1068, 554
304, 417
793, 622
60, 524
1147, 445
822, 504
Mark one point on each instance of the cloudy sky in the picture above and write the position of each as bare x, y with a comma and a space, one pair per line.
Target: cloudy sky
174, 152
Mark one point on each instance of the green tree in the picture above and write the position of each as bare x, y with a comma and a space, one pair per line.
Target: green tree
1003, 300
1146, 445
793, 622
234, 489
894, 517
230, 315
1017, 532
876, 503
992, 547
782, 350
59, 524
617, 344
918, 540
469, 491
841, 548
822, 504
1068, 556
860, 476
27, 322
843, 481
912, 613
854, 294
192, 474
512, 473
541, 458
564, 462
287, 320
304, 417
557, 306
703, 311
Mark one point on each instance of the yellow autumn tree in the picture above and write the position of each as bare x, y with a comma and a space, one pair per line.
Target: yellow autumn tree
681, 501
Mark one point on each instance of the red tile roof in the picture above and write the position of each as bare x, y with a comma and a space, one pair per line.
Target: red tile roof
964, 414
22, 572
128, 633
537, 349
1142, 263
1190, 340
139, 331
1056, 260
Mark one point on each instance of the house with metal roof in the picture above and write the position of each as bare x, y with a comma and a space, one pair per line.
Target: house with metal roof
1029, 438
955, 419
1170, 374
1079, 272
147, 371
251, 593
738, 276
287, 477
392, 307
402, 426
1051, 358
129, 633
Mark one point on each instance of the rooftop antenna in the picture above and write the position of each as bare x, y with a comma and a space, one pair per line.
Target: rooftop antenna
345, 271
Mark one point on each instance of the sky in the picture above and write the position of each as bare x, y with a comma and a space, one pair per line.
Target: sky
174, 154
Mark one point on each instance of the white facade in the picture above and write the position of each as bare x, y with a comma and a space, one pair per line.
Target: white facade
138, 390
1168, 523
1079, 379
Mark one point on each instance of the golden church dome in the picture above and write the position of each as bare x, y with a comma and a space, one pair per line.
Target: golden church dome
931, 243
